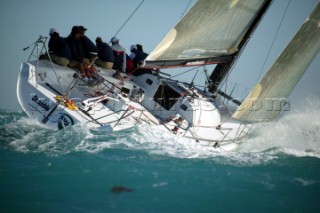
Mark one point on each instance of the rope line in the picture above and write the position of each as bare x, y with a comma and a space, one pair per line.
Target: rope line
129, 18
273, 41
183, 72
185, 10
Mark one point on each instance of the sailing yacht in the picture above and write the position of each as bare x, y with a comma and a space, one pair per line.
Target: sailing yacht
211, 32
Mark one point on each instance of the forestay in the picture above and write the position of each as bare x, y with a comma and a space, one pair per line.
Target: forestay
209, 33
268, 98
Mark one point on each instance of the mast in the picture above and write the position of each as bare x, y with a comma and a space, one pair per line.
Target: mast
269, 98
222, 69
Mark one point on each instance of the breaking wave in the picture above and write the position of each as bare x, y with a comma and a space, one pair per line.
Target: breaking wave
296, 134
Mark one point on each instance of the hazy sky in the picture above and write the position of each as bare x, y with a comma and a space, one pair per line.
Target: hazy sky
22, 22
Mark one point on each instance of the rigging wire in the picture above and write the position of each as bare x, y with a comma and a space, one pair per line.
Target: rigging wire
183, 72
129, 18
195, 75
225, 80
274, 39
185, 10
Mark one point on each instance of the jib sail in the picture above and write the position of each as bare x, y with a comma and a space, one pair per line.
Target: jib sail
269, 96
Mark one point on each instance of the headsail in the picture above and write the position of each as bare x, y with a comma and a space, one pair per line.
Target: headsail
209, 33
268, 97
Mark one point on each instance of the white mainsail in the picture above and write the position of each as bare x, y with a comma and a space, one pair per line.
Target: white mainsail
209, 33
269, 96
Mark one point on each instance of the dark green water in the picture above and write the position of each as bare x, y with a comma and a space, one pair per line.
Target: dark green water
77, 170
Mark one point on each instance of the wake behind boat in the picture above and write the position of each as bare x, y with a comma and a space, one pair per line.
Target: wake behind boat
57, 97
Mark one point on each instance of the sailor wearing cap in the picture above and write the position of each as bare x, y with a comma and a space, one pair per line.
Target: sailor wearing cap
119, 55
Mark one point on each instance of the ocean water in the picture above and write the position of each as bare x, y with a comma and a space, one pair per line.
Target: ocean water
277, 169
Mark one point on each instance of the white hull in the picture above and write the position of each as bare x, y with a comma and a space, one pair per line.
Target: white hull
116, 105
202, 117
57, 98
37, 91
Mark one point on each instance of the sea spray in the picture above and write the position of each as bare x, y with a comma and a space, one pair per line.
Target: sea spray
296, 133
88, 170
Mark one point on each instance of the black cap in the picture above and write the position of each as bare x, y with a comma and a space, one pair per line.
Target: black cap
75, 30
82, 28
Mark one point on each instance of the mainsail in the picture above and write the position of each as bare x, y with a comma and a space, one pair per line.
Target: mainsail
269, 96
209, 33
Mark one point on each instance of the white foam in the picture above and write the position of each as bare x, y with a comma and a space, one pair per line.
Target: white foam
305, 182
162, 142
297, 133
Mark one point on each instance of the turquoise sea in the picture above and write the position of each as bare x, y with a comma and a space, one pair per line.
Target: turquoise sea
277, 169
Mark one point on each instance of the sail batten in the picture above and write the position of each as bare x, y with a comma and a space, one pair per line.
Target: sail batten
208, 37
269, 96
